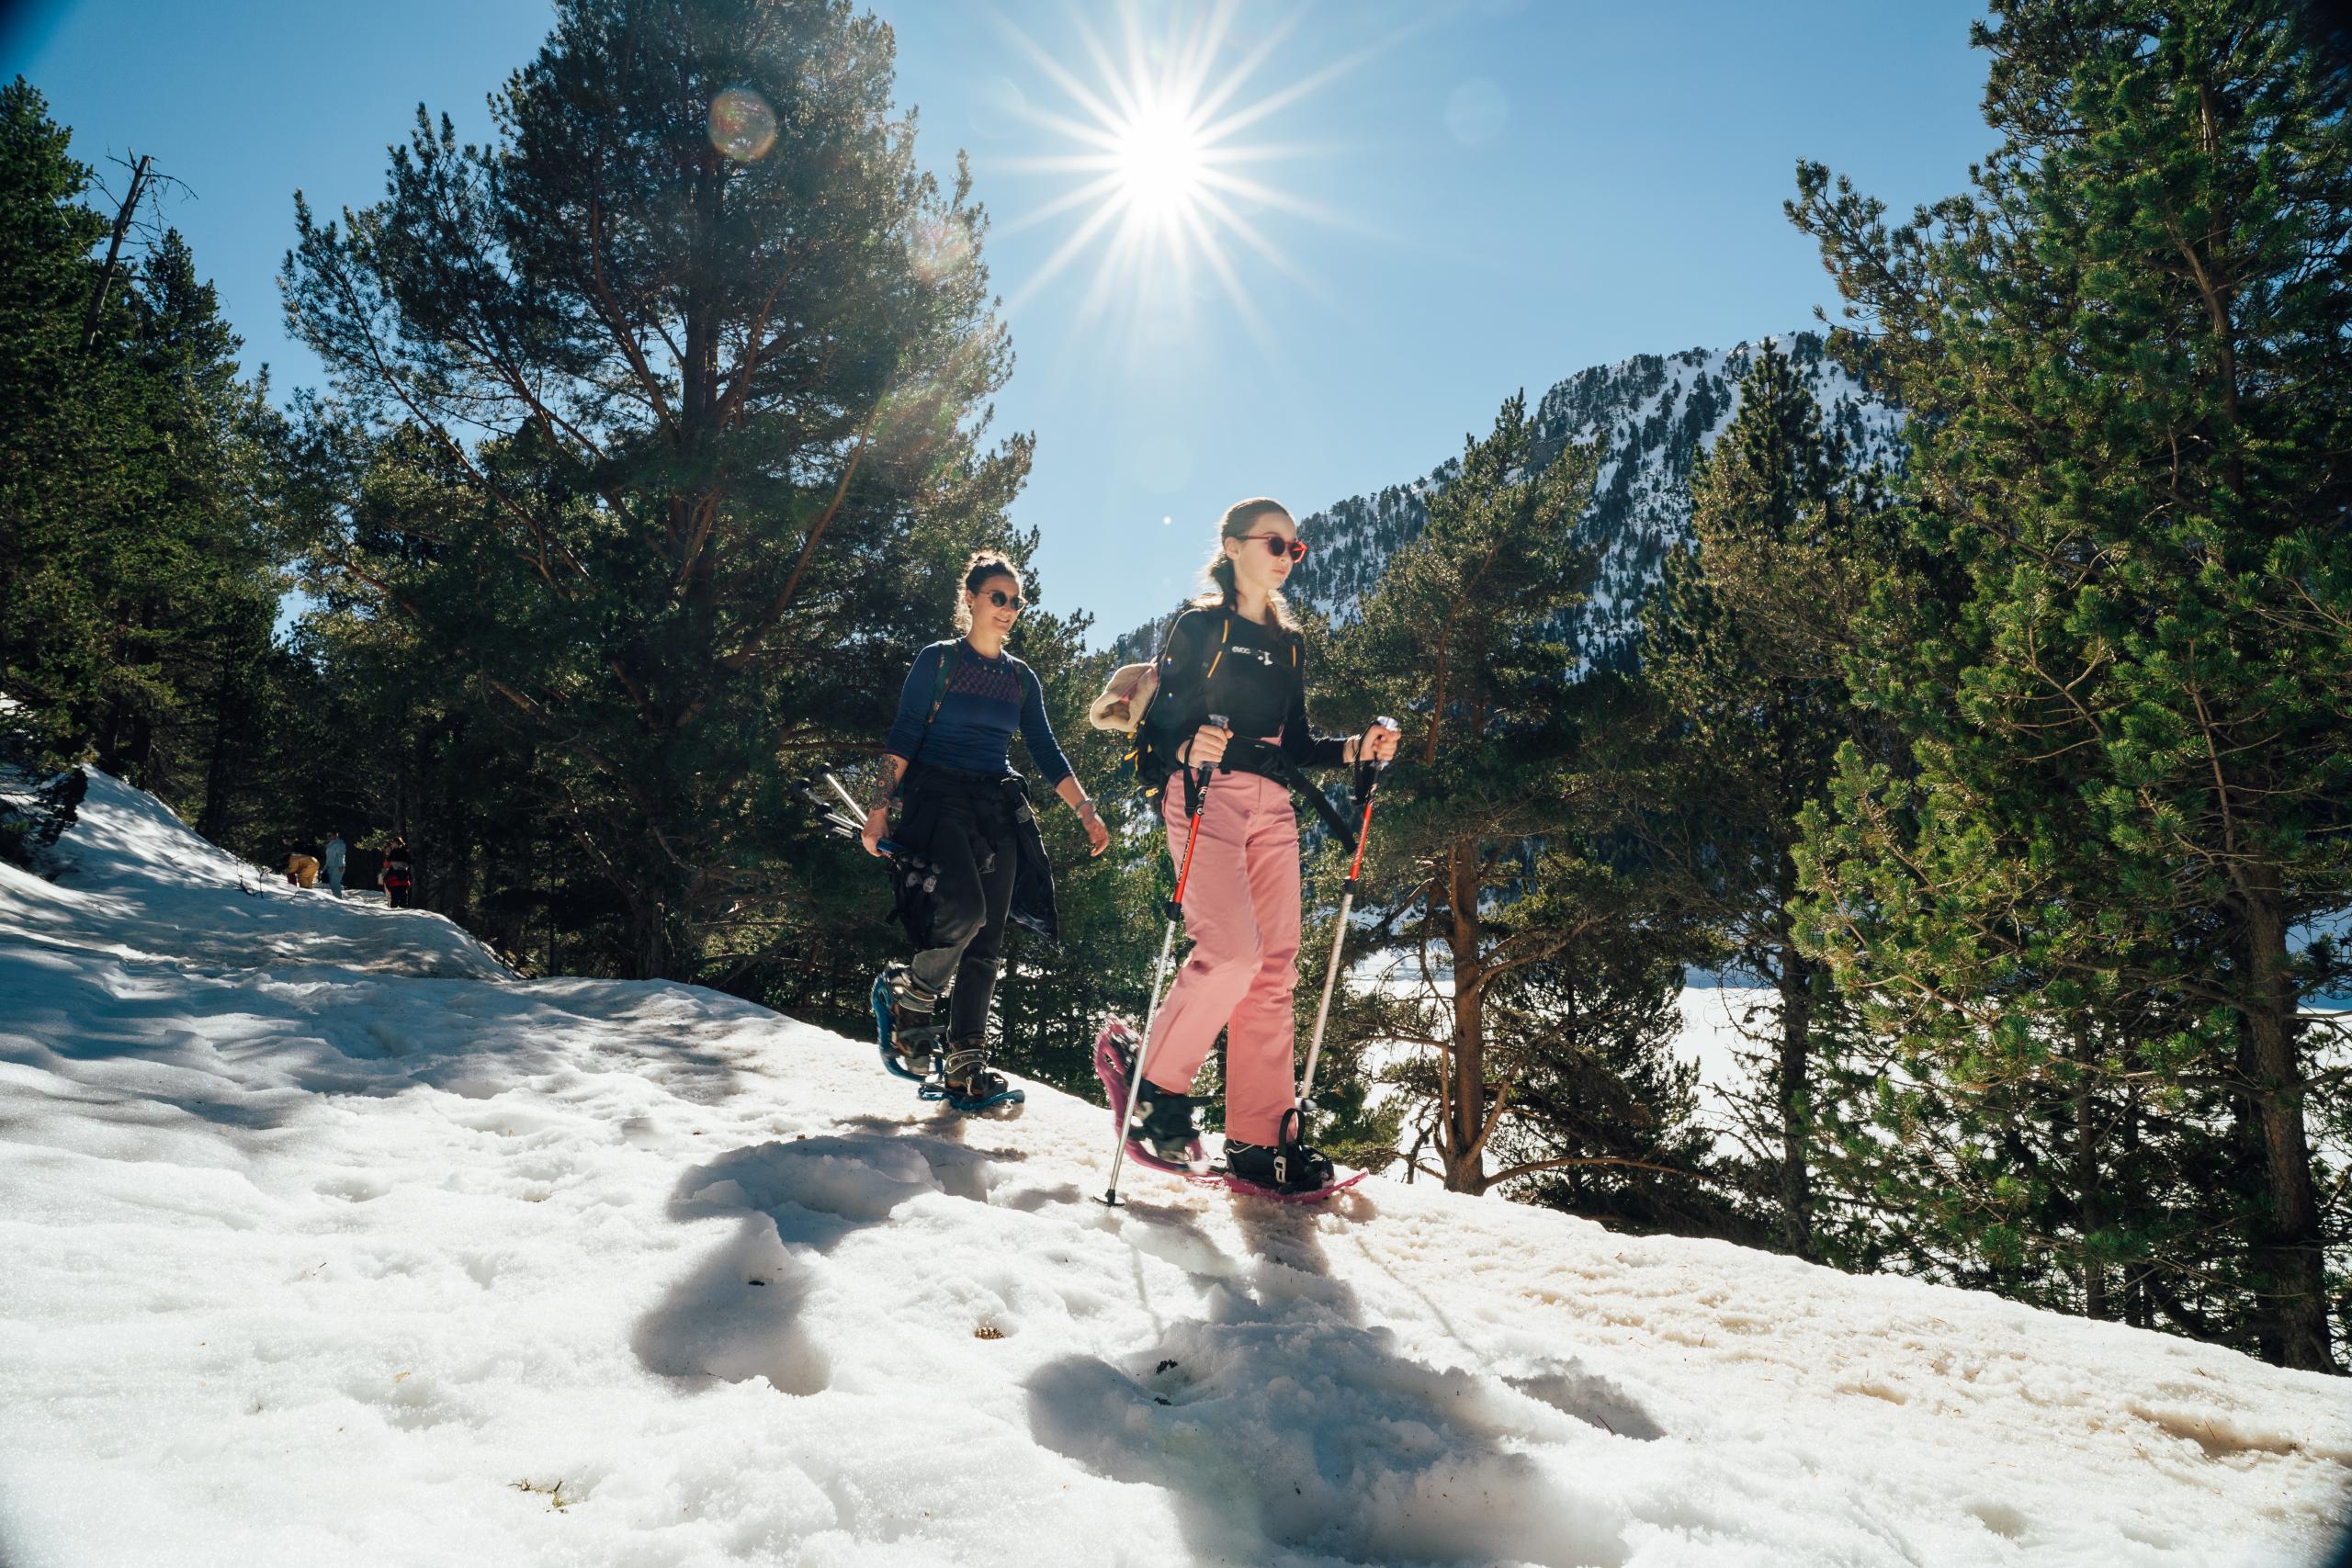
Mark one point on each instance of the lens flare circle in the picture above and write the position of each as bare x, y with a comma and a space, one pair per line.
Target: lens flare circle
741, 125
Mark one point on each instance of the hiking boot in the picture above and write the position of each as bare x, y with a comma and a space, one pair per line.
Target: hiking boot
908, 1020
1164, 1125
1291, 1167
967, 1076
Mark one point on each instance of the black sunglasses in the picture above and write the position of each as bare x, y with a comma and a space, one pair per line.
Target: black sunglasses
1277, 545
999, 598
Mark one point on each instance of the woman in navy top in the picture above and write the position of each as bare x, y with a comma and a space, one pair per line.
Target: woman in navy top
966, 812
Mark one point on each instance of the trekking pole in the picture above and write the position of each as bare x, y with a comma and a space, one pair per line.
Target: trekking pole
851, 826
1196, 784
1368, 779
842, 789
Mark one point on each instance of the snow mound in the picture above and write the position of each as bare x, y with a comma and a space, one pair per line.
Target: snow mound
329, 1241
137, 882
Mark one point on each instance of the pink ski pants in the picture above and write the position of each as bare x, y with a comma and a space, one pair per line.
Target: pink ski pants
1241, 911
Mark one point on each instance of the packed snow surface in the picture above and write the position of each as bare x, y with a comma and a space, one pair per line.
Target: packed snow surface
328, 1241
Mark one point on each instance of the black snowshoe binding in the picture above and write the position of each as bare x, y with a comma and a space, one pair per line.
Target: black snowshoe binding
968, 1083
1292, 1166
904, 1025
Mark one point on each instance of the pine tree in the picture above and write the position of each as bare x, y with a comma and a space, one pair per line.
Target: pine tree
136, 555
1460, 637
2125, 351
1604, 1121
57, 416
733, 350
203, 515
1741, 654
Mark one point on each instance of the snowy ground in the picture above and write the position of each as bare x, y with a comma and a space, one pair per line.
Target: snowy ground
328, 1242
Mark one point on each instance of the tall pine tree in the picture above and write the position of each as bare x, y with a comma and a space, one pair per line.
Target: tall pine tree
1461, 636
136, 552
732, 351
2132, 747
1742, 653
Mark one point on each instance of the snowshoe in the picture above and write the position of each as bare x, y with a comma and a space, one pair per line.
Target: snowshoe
908, 1038
968, 1083
1225, 1177
1163, 1136
1279, 1167
1292, 1169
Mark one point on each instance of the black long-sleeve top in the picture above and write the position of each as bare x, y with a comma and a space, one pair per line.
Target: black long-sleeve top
1255, 674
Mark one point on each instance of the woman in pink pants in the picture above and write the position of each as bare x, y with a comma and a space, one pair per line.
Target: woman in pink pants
1235, 654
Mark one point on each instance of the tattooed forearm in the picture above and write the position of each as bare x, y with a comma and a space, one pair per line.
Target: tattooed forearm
894, 768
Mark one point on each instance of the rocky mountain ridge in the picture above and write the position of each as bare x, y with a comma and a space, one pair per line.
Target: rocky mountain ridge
1657, 415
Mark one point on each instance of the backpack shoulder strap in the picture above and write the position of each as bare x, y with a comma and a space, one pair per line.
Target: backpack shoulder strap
939, 682
1224, 635
938, 689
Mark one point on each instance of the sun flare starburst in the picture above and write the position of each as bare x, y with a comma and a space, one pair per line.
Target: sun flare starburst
1156, 142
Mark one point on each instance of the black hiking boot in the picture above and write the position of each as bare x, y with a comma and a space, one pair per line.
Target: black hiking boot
967, 1076
1164, 1125
1290, 1166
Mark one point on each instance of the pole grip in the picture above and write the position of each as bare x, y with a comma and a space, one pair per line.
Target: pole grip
1221, 722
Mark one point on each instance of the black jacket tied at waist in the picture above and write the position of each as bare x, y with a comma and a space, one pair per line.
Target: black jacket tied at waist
1001, 802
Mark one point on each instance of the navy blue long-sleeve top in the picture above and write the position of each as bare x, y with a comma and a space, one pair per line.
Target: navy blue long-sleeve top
984, 702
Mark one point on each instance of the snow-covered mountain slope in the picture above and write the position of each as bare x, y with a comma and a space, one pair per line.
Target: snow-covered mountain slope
1656, 415
328, 1242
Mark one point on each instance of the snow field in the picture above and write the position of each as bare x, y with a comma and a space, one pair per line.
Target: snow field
329, 1242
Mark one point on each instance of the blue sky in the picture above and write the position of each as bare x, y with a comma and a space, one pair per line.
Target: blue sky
1458, 200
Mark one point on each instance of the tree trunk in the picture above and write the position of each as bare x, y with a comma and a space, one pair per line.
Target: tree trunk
2286, 1243
114, 252
229, 694
2090, 1207
1796, 1183
649, 954
1464, 1150
2139, 1310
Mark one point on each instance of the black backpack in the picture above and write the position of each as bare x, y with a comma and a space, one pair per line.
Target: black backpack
1151, 769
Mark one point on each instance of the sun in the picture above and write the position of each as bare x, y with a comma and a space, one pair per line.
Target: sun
1159, 163
1162, 135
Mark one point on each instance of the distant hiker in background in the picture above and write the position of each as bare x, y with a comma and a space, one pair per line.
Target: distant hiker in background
302, 870
967, 813
398, 877
336, 852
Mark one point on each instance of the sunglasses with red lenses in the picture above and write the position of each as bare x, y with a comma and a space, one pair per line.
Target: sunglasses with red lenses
1281, 545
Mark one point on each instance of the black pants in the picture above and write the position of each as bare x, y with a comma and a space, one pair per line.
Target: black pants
968, 833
